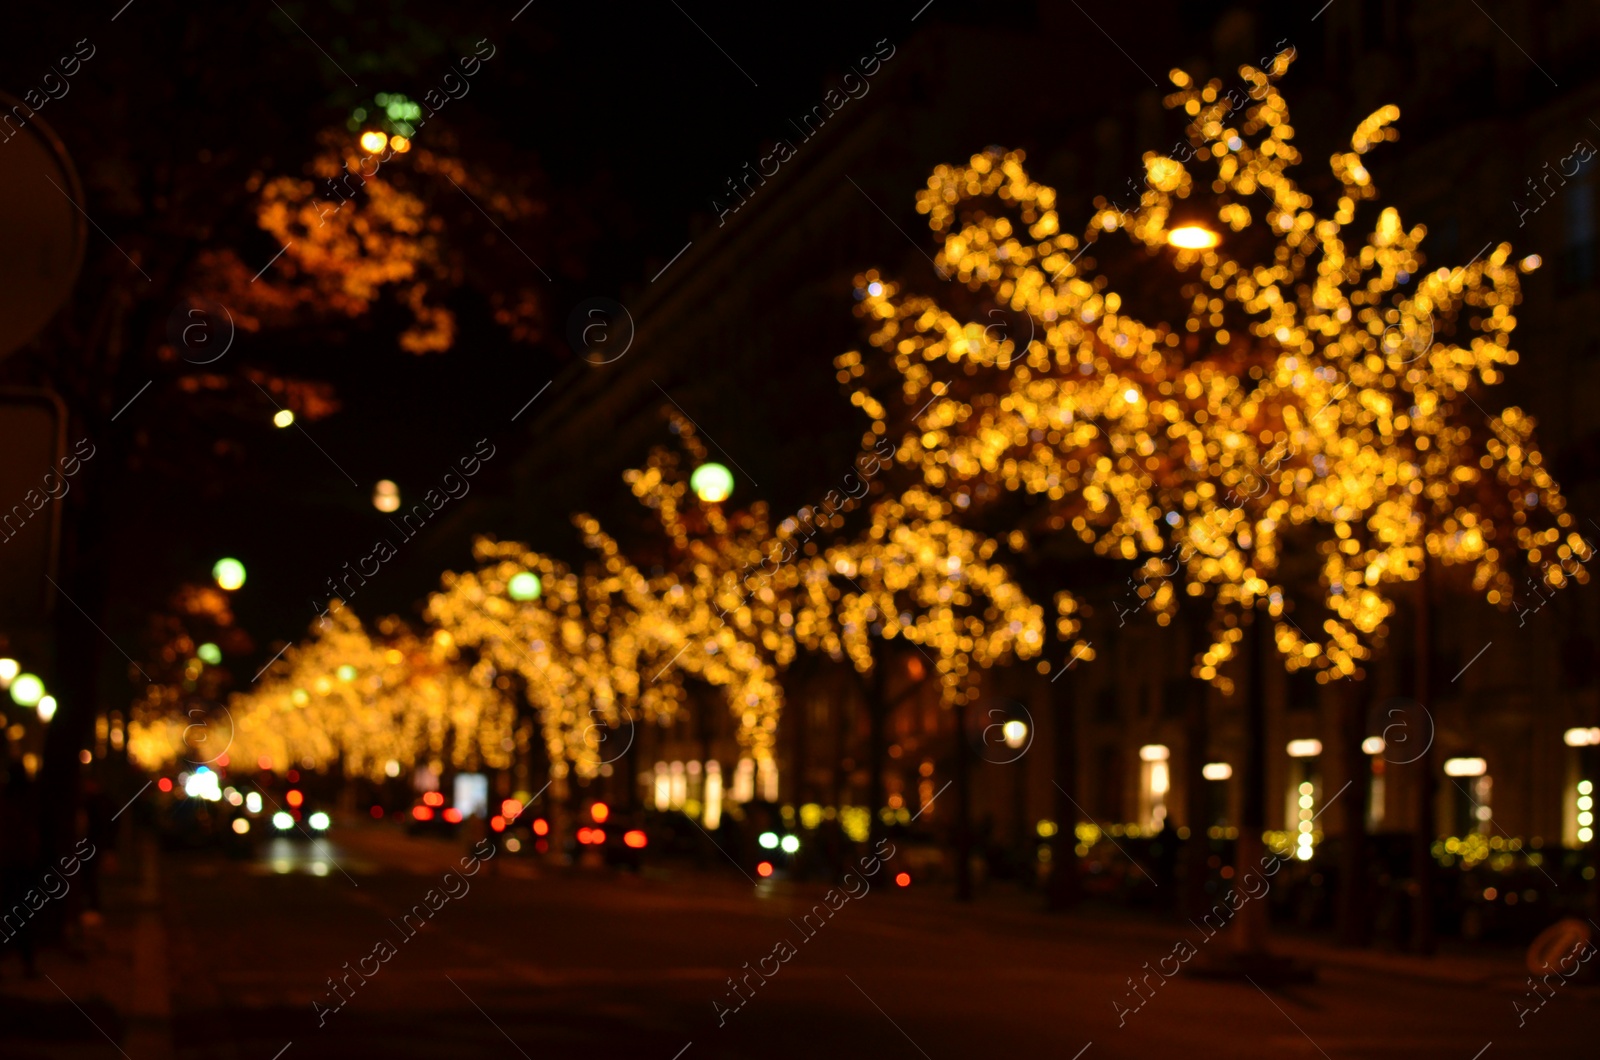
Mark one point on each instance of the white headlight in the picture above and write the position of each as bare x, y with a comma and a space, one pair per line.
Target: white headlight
282, 821
318, 821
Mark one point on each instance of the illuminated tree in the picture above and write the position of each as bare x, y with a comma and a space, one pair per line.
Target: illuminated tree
342, 698
706, 617
383, 214
1311, 408
573, 641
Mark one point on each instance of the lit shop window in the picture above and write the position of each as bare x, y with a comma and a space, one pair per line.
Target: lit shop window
1155, 780
744, 780
1304, 783
713, 816
1470, 779
1373, 747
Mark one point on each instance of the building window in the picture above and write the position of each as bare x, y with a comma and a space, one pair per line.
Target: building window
1471, 788
1155, 780
1583, 811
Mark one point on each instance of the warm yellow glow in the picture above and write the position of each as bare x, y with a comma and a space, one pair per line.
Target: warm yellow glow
1465, 767
282, 418
1216, 771
373, 141
399, 143
1304, 748
1154, 752
1015, 733
1581, 737
386, 496
1193, 237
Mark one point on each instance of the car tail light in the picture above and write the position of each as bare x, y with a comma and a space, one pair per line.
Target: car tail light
635, 839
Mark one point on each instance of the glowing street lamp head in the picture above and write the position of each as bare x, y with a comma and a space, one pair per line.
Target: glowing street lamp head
524, 585
386, 496
9, 668
1015, 733
1193, 237
712, 483
229, 573
27, 690
373, 141
47, 708
282, 418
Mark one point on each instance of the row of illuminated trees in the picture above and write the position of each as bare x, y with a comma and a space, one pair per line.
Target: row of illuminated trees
1274, 419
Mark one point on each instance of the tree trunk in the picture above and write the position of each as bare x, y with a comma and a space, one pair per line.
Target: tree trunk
1196, 850
963, 822
1352, 912
1063, 887
1250, 923
799, 717
628, 765
1423, 938
876, 692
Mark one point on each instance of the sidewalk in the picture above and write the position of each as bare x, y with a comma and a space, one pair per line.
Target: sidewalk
111, 985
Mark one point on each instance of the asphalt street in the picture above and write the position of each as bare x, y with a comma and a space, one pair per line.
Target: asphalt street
304, 952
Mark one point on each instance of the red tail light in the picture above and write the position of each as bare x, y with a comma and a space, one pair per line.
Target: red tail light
498, 823
541, 826
764, 869
422, 813
453, 815
635, 839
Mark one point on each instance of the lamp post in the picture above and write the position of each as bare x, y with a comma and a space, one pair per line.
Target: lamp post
712, 483
229, 573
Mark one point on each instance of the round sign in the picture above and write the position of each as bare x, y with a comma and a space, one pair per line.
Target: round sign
41, 226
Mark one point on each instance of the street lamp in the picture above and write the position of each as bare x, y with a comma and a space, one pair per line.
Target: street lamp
1015, 733
229, 573
524, 585
711, 483
386, 496
27, 690
47, 708
9, 668
1193, 237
